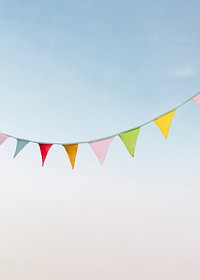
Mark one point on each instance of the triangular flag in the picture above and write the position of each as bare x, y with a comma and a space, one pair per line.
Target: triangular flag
71, 150
20, 145
129, 139
196, 99
164, 122
101, 148
44, 148
3, 137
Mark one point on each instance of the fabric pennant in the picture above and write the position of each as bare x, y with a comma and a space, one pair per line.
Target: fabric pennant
71, 150
44, 149
129, 139
3, 137
164, 122
20, 145
101, 148
196, 99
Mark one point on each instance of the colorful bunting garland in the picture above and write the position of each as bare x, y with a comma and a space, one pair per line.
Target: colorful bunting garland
101, 146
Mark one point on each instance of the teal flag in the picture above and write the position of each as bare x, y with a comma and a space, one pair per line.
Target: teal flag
20, 145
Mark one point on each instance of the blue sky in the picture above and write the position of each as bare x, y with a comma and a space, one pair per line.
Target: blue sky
95, 56
79, 70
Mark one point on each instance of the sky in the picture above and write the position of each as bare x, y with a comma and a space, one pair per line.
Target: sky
74, 71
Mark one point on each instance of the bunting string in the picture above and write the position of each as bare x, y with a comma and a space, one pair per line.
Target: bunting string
100, 146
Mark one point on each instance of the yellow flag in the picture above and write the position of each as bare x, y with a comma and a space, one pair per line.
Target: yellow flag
71, 150
164, 122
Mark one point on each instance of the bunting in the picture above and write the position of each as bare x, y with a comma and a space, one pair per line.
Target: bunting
129, 139
100, 146
44, 149
164, 122
3, 137
196, 99
71, 151
20, 145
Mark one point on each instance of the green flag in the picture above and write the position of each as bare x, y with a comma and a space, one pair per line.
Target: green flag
129, 139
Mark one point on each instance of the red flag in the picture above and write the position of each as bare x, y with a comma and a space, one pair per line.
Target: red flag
44, 149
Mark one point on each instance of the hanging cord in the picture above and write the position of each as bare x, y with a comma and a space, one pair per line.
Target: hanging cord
111, 136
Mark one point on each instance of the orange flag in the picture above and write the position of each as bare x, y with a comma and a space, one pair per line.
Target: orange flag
44, 149
71, 150
164, 122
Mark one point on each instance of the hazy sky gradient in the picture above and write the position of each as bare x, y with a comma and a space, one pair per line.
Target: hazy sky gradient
78, 70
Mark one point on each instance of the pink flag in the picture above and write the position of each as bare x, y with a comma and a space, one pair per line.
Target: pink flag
3, 137
44, 148
196, 99
100, 148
